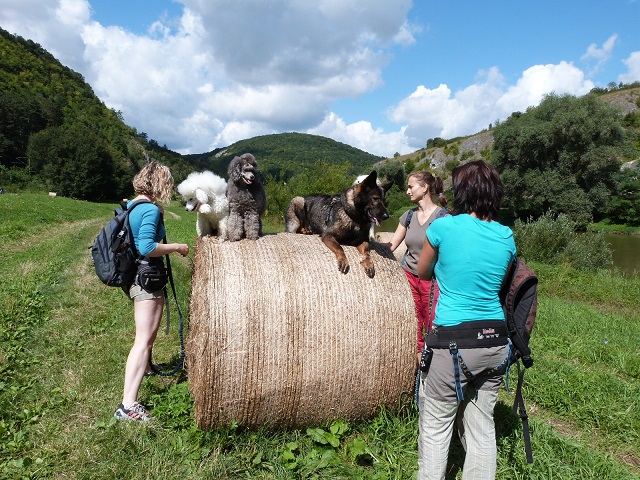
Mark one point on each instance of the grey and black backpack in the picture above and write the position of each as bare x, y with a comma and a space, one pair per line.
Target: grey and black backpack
114, 253
519, 298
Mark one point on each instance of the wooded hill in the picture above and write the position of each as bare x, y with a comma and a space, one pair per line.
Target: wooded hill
288, 152
439, 152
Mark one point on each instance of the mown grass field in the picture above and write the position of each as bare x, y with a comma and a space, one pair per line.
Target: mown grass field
64, 339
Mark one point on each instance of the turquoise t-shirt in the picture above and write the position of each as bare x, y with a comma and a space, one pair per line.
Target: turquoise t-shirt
147, 227
472, 260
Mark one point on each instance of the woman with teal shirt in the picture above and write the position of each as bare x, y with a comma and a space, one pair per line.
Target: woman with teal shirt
469, 253
152, 184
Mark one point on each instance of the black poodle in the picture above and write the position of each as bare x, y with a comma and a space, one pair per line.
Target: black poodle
247, 200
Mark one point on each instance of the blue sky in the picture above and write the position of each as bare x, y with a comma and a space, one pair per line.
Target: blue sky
381, 75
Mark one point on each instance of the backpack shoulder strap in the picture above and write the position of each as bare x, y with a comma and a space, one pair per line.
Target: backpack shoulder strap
134, 204
409, 215
127, 212
518, 405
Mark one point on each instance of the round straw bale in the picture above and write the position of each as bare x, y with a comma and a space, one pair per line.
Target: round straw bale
279, 337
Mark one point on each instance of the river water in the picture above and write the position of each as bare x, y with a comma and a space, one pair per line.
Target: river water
626, 253
626, 248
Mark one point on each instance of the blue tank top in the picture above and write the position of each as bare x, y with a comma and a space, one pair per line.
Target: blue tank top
147, 227
473, 256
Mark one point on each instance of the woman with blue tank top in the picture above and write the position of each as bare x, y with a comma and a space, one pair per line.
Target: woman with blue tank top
468, 253
152, 184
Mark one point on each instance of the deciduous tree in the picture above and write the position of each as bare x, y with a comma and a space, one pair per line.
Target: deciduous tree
561, 157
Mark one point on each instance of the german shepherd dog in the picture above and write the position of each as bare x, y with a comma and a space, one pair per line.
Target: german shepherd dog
342, 219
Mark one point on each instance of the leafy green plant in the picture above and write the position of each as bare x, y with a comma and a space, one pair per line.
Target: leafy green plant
451, 164
588, 251
452, 149
467, 155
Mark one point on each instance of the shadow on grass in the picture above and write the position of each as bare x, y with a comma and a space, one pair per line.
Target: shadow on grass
174, 367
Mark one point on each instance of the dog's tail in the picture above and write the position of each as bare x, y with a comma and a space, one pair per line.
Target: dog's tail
295, 216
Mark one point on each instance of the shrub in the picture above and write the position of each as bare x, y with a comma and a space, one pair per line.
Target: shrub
554, 240
467, 155
451, 164
544, 239
589, 251
452, 149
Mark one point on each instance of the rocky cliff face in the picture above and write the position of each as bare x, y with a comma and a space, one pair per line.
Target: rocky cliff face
626, 100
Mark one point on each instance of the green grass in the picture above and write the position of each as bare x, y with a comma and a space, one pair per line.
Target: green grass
64, 338
606, 227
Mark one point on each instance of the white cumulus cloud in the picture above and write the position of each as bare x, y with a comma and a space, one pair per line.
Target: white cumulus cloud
633, 69
429, 113
600, 55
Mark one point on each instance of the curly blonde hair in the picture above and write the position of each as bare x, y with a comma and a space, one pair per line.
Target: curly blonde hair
154, 181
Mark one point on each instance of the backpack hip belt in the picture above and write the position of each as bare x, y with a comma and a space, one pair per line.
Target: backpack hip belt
476, 334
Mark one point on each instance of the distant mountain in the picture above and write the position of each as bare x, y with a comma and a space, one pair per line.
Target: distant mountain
287, 151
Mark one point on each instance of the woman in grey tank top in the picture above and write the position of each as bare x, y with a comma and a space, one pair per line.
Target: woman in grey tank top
425, 190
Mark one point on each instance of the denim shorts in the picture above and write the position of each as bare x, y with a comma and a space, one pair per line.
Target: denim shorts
137, 294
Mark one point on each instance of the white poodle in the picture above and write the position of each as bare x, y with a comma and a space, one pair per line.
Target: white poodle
205, 193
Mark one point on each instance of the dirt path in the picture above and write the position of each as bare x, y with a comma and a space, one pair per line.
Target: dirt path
61, 230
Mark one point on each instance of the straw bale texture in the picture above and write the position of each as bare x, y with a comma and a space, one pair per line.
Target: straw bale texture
279, 337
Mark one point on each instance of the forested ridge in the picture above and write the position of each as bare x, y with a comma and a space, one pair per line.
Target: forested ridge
286, 151
563, 156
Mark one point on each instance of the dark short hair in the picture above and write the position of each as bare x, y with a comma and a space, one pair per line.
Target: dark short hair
477, 188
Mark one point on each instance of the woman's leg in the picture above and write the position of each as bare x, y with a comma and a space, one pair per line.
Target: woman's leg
476, 424
148, 314
435, 429
438, 407
420, 299
478, 435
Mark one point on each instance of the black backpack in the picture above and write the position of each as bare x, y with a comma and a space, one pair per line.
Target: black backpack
114, 253
519, 298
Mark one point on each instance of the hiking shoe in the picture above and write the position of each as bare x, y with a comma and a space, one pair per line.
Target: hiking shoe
135, 412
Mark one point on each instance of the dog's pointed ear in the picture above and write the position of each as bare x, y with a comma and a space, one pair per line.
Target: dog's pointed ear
387, 186
371, 181
201, 195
